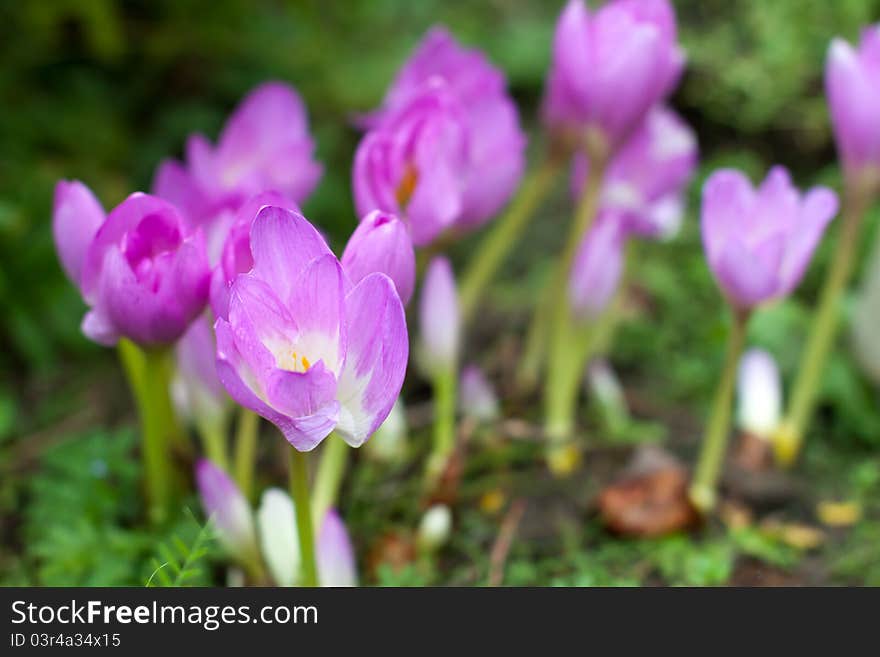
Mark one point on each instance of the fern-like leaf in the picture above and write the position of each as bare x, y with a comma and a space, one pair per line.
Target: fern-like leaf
178, 562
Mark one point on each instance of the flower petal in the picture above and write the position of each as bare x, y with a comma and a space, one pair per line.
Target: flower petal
228, 509
283, 243
335, 555
375, 363
381, 243
276, 522
76, 217
727, 200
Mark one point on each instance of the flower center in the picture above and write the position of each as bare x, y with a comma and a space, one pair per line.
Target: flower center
293, 361
407, 185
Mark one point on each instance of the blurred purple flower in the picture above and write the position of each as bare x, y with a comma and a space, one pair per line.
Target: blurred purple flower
758, 242
445, 149
196, 390
141, 270
381, 243
439, 317
304, 347
334, 552
597, 267
610, 66
76, 217
645, 182
227, 508
852, 80
265, 145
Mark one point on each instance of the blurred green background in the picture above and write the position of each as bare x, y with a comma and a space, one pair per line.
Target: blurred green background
102, 90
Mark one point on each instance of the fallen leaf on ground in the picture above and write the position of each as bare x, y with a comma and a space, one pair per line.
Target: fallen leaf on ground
650, 499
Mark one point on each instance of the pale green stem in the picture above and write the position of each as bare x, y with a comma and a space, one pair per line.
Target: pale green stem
246, 450
444, 388
299, 491
790, 435
505, 232
213, 435
328, 480
562, 389
561, 329
149, 375
714, 446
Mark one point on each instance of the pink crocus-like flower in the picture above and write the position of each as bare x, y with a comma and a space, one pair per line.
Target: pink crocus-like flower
197, 392
142, 270
852, 80
334, 552
276, 520
758, 242
305, 347
645, 182
445, 150
610, 66
597, 268
265, 145
381, 243
439, 317
228, 509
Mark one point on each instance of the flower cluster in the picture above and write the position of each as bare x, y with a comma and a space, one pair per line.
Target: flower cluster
445, 151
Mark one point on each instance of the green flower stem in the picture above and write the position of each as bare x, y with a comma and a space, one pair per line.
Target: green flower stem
299, 491
532, 360
790, 435
329, 477
213, 435
505, 232
149, 375
562, 331
246, 450
445, 384
570, 351
702, 492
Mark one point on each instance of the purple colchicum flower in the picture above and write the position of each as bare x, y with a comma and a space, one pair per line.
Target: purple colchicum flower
439, 317
303, 346
143, 272
610, 67
758, 242
334, 553
645, 182
759, 391
381, 243
446, 149
852, 81
196, 391
235, 255
597, 268
265, 144
276, 521
227, 508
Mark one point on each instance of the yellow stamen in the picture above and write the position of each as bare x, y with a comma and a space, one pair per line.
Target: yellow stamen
407, 185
